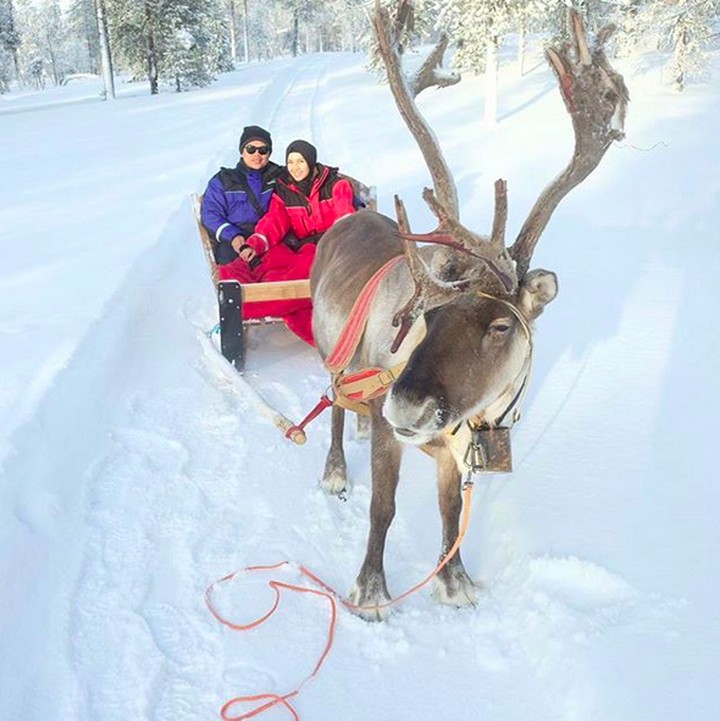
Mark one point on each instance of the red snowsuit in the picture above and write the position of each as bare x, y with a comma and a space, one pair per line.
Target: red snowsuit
306, 217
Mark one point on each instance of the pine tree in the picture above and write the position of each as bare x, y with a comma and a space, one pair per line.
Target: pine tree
9, 44
83, 30
477, 27
45, 50
684, 29
687, 26
178, 41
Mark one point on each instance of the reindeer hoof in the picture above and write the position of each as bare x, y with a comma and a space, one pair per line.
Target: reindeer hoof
455, 589
366, 603
334, 482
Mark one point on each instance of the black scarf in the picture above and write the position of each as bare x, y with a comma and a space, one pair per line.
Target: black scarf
305, 186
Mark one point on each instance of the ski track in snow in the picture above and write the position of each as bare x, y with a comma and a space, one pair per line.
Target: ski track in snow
145, 501
188, 484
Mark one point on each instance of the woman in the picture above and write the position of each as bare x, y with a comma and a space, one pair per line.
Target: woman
307, 200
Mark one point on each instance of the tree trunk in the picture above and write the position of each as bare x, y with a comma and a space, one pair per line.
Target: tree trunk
246, 34
522, 34
152, 63
680, 55
295, 33
15, 42
233, 30
105, 55
491, 80
16, 64
53, 61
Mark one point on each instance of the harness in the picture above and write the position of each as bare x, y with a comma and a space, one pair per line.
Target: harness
353, 391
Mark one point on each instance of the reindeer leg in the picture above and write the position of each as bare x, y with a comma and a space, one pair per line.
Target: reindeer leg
370, 588
334, 480
452, 585
362, 429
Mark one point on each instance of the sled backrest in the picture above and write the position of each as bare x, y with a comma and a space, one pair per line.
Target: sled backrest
196, 201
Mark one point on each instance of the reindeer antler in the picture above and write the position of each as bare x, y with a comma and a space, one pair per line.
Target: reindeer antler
388, 49
443, 200
428, 292
596, 99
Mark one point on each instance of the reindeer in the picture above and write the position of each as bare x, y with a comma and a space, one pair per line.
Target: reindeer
457, 312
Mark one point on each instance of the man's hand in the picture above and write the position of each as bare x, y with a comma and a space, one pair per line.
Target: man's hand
246, 253
237, 242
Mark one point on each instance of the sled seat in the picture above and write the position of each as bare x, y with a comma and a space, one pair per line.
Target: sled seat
231, 294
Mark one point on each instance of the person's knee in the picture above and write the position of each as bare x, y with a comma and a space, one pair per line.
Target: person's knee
237, 270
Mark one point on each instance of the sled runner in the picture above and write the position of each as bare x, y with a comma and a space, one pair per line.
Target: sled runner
232, 294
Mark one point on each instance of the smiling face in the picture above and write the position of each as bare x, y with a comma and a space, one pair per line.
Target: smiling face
297, 167
255, 154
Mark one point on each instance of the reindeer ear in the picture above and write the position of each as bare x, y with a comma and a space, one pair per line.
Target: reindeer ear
538, 288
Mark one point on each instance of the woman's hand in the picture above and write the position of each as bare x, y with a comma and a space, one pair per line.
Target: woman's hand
237, 242
247, 253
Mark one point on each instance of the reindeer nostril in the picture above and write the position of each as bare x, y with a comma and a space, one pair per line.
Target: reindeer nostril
405, 432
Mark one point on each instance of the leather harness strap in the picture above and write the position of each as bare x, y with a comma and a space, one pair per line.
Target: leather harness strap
354, 390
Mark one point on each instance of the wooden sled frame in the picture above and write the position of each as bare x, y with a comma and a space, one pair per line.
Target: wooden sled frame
231, 294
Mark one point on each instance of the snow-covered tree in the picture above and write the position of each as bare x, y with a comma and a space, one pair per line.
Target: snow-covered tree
477, 27
9, 44
82, 28
683, 29
196, 51
45, 49
688, 26
184, 43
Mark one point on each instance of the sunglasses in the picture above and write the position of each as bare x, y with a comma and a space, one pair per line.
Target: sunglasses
252, 149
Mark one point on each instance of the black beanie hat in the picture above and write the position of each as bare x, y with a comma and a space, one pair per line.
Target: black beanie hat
255, 132
305, 149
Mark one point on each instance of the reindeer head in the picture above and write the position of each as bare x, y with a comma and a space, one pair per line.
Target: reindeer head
472, 362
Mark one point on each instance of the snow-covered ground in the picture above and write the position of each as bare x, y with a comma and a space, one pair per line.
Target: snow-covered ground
134, 471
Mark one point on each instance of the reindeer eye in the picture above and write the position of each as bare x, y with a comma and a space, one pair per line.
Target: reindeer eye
500, 326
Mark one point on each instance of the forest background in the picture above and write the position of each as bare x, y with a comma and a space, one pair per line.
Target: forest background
179, 44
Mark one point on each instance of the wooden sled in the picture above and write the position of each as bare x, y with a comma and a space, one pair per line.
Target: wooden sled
232, 294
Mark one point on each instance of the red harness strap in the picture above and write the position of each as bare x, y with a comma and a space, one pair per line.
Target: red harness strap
322, 404
349, 339
366, 384
357, 388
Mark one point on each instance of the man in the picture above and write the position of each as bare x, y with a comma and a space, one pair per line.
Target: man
236, 198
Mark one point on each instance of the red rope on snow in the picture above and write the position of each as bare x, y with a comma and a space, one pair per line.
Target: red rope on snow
333, 597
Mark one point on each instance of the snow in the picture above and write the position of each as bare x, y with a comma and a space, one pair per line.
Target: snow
135, 470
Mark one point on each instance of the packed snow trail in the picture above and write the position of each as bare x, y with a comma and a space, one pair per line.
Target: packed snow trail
135, 474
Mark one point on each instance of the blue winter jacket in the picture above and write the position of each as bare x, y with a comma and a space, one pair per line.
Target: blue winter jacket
235, 199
